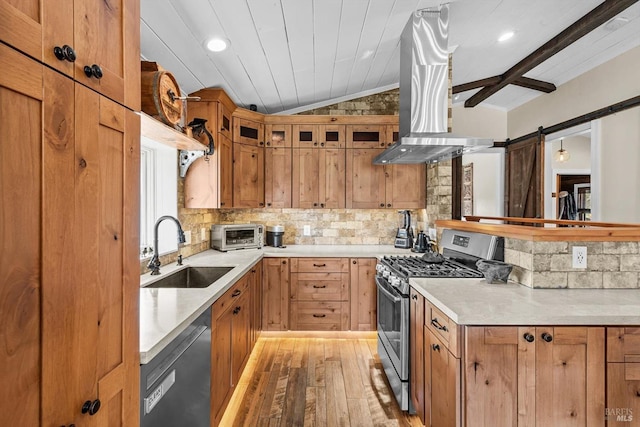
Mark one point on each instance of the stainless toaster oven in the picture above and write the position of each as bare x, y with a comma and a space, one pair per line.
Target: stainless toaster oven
229, 237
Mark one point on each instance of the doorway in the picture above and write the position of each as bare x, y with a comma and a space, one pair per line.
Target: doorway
568, 178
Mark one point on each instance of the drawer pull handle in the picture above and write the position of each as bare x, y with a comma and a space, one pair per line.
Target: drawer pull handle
319, 265
437, 325
529, 337
319, 286
547, 337
319, 315
435, 347
236, 293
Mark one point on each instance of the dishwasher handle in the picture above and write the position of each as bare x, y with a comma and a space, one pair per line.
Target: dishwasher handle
166, 364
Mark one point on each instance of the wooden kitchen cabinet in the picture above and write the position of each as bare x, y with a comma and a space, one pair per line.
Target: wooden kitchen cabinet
366, 136
248, 176
230, 337
208, 183
318, 136
392, 134
416, 353
23, 107
319, 178
319, 294
363, 294
538, 376
366, 182
256, 302
623, 376
442, 380
372, 186
90, 319
275, 294
248, 131
37, 27
278, 135
278, 177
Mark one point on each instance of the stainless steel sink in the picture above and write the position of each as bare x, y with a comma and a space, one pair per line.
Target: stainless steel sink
191, 277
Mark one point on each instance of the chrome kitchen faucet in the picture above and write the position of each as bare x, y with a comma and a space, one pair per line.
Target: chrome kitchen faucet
154, 264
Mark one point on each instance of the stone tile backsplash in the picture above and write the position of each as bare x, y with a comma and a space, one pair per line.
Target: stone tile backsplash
549, 264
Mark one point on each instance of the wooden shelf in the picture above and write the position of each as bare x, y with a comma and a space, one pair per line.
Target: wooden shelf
598, 232
158, 131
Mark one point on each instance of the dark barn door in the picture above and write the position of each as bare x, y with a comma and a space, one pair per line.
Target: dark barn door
524, 184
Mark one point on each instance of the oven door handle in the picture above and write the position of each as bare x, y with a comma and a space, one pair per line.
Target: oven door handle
388, 294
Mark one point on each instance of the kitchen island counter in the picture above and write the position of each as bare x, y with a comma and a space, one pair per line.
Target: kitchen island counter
165, 312
476, 302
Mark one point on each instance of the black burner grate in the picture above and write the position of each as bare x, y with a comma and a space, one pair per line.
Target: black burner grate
415, 266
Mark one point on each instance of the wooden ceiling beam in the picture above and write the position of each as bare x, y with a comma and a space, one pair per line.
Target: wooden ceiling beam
589, 22
476, 84
527, 82
534, 84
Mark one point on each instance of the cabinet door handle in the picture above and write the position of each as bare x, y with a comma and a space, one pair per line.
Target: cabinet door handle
382, 205
93, 71
91, 407
319, 286
65, 53
319, 315
388, 205
237, 310
236, 293
547, 337
435, 347
529, 337
354, 261
319, 265
414, 296
437, 324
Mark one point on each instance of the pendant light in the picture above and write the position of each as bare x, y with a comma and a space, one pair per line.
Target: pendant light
561, 155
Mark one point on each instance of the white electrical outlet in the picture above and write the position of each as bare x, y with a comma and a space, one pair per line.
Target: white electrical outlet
187, 237
307, 230
203, 234
579, 257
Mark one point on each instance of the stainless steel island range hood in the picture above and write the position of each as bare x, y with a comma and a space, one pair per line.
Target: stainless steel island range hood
424, 102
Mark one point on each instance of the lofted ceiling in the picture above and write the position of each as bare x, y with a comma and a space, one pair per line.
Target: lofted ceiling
292, 55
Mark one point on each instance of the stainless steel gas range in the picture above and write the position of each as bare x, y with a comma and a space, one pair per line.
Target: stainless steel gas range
460, 251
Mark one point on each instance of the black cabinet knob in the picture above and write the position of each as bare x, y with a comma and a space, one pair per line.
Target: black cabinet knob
261, 204
388, 205
382, 144
315, 204
268, 204
529, 337
315, 144
268, 144
322, 144
90, 407
414, 296
547, 337
354, 261
322, 205
382, 205
435, 347
284, 262
93, 71
65, 53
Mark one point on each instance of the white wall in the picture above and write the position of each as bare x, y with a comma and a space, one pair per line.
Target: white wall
488, 166
611, 82
616, 146
619, 167
579, 149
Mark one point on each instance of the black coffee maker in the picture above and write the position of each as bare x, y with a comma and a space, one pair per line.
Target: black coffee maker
404, 236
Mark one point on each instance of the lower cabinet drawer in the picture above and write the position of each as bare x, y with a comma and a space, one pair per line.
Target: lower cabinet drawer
320, 286
319, 315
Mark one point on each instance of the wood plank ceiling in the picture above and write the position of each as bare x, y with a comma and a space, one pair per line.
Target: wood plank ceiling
288, 55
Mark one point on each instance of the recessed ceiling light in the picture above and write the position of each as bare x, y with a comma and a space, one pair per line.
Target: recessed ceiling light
506, 36
217, 44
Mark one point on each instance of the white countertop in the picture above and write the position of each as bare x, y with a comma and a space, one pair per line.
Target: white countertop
475, 302
164, 313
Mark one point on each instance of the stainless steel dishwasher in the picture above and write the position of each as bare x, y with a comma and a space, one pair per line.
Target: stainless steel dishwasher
175, 387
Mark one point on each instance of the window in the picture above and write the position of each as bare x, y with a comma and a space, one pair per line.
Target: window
158, 196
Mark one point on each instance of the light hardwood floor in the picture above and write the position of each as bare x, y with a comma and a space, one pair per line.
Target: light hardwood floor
314, 382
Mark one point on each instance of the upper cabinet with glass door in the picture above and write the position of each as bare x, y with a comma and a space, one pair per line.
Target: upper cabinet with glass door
95, 43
